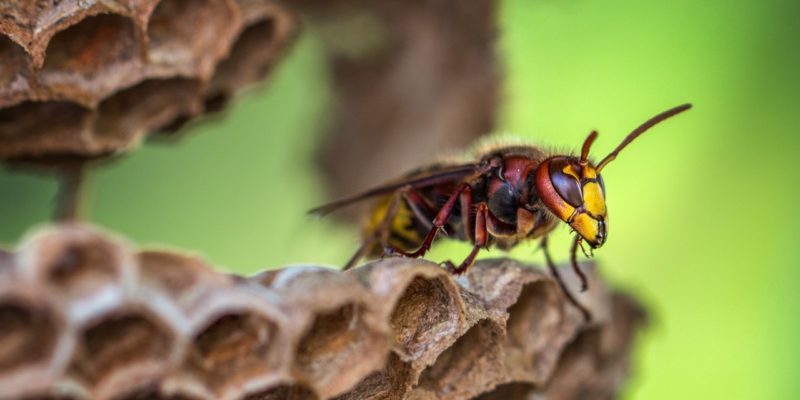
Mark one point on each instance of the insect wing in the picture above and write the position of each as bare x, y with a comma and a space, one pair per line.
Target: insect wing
423, 179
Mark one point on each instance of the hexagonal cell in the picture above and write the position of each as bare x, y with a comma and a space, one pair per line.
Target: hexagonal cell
177, 45
253, 53
470, 366
35, 128
28, 341
182, 278
579, 374
426, 315
123, 352
13, 67
144, 107
231, 350
283, 392
93, 58
75, 263
339, 349
534, 326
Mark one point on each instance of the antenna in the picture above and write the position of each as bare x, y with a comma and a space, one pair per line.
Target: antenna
638, 131
587, 144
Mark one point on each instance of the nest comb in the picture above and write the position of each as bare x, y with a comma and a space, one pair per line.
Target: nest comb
86, 316
88, 78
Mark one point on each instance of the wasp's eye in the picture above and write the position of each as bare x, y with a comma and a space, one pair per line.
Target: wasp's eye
565, 184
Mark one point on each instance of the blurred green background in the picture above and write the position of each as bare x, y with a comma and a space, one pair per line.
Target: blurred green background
703, 225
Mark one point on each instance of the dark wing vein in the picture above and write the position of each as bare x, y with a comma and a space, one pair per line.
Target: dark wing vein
449, 175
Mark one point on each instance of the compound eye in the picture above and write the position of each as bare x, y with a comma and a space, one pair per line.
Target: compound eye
567, 185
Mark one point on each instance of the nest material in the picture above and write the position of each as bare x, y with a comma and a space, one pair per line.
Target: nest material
84, 315
89, 78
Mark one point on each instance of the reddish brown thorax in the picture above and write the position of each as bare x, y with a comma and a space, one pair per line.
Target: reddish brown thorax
509, 189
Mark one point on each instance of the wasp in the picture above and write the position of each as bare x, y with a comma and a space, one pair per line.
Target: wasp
508, 195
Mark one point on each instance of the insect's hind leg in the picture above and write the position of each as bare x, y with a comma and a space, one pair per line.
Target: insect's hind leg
438, 223
587, 316
382, 232
420, 208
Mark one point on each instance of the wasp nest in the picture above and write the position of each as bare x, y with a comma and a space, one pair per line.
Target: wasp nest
86, 316
88, 78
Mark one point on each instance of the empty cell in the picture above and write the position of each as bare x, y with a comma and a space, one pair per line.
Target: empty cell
120, 347
36, 128
187, 32
95, 44
146, 106
28, 336
471, 365
250, 59
13, 61
535, 324
339, 349
425, 314
233, 349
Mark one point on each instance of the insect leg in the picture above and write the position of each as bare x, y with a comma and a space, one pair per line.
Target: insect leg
480, 240
575, 266
587, 316
422, 210
466, 209
438, 223
381, 231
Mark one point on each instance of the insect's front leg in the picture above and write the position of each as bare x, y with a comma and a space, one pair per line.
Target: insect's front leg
587, 316
575, 266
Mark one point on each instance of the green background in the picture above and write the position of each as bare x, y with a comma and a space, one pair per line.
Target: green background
703, 208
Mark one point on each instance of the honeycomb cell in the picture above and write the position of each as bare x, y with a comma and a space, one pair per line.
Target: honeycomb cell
176, 43
425, 314
182, 278
28, 335
93, 58
534, 324
13, 72
35, 128
81, 268
123, 351
342, 337
269, 28
471, 365
232, 350
149, 105
331, 354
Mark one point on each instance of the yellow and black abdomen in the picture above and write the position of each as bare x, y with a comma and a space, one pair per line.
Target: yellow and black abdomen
403, 230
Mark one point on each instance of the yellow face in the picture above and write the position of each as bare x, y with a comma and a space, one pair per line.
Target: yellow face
574, 192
